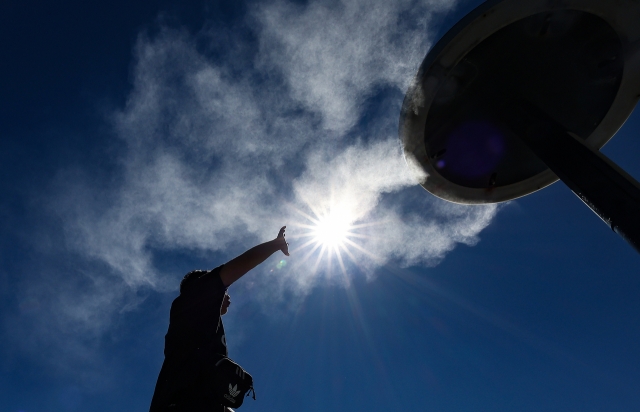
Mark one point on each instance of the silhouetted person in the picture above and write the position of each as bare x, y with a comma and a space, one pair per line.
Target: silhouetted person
196, 339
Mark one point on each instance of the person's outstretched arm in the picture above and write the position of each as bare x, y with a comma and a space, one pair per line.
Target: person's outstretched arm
236, 268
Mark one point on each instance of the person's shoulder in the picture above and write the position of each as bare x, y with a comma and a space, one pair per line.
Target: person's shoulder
198, 279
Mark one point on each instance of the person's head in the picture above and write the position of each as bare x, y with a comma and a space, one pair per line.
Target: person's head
225, 304
190, 277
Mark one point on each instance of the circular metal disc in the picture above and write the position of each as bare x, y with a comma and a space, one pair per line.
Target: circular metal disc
576, 60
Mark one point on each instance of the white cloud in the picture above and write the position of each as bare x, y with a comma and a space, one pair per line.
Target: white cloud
211, 152
357, 179
216, 158
332, 54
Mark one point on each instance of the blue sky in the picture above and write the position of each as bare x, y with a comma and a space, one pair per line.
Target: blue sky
143, 140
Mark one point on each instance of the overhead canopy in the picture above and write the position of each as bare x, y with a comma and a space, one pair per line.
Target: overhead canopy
577, 61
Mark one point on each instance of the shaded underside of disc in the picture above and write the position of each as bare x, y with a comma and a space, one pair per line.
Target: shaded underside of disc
568, 63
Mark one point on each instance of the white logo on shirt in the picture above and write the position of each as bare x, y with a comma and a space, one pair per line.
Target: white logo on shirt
233, 390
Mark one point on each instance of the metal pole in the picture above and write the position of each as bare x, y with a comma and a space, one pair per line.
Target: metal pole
603, 186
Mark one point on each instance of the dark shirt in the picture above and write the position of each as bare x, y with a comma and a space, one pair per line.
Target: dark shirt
195, 339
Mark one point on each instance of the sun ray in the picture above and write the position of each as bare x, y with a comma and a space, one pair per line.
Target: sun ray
360, 236
333, 231
315, 267
341, 263
313, 207
360, 248
346, 250
357, 262
304, 245
308, 255
307, 226
369, 224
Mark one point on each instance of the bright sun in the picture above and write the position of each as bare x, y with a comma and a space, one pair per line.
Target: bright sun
332, 229
331, 234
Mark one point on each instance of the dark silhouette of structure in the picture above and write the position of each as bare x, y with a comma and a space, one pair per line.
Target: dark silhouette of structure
520, 93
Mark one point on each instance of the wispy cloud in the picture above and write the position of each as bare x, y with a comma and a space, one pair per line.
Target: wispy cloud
333, 54
217, 155
212, 151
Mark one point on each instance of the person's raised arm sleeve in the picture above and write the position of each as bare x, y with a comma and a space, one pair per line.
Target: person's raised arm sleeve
236, 268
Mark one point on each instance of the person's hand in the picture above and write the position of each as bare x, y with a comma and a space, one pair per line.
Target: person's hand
281, 242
